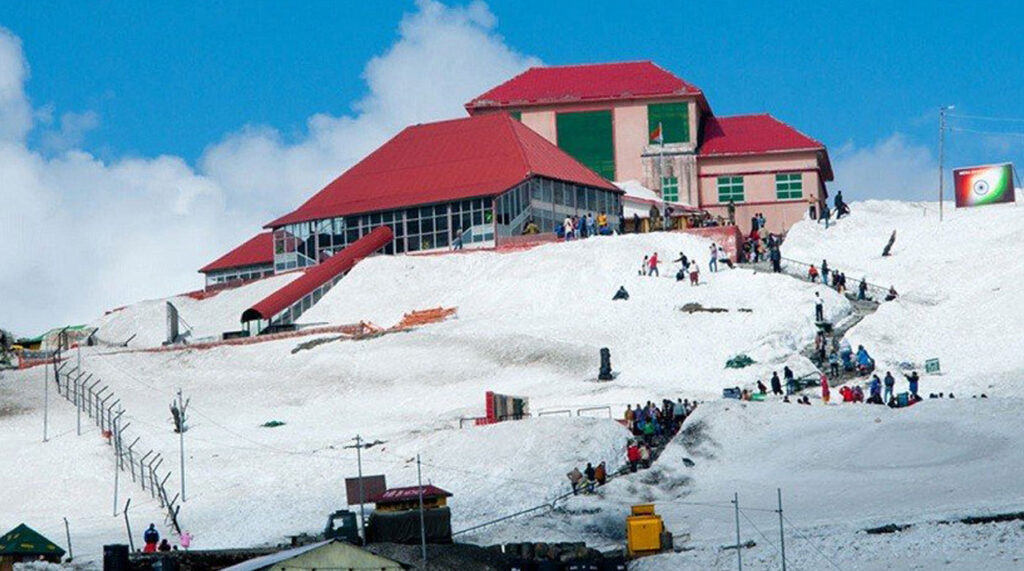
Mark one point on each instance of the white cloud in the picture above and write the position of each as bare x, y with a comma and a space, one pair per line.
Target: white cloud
893, 168
80, 235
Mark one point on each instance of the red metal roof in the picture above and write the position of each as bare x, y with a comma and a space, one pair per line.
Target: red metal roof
318, 275
582, 83
410, 493
444, 161
258, 250
756, 134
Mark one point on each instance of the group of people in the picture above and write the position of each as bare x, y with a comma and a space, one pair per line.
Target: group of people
588, 479
577, 227
153, 543
688, 267
819, 207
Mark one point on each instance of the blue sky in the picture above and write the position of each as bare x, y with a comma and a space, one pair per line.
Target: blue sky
176, 77
149, 138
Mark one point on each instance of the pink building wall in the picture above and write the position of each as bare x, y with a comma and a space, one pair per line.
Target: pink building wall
759, 192
630, 134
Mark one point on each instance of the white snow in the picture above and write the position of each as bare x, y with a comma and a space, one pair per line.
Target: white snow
959, 284
209, 317
532, 323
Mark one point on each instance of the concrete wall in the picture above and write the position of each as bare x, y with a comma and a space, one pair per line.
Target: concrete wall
758, 174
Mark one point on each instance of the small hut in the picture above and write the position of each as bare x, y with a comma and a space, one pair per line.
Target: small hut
23, 544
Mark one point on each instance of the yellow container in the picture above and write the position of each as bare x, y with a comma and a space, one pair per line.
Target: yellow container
643, 530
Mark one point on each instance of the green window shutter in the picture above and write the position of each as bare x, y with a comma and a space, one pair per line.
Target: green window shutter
674, 119
789, 186
517, 115
670, 188
587, 136
730, 188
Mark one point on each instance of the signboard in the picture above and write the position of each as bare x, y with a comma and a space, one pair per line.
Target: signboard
931, 366
986, 184
373, 486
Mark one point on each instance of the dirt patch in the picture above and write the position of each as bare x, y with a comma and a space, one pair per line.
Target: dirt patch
694, 437
692, 308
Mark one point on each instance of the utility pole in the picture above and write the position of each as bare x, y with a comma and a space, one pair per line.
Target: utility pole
128, 526
782, 536
423, 526
67, 532
739, 555
178, 411
46, 398
942, 142
359, 462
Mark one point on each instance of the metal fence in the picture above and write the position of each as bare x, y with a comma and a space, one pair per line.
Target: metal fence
96, 400
799, 269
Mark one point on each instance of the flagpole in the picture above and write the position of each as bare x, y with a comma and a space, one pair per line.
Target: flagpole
661, 166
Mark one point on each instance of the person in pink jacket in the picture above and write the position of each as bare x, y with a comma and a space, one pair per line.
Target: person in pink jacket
825, 393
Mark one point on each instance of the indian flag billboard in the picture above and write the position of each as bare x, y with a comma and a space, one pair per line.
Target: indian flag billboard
986, 184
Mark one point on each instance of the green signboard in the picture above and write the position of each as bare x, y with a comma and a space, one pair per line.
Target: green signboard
931, 366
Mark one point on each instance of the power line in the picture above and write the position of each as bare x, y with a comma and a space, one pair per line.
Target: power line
987, 118
980, 132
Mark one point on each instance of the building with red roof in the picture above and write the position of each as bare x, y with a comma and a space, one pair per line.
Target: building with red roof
454, 183
251, 260
638, 121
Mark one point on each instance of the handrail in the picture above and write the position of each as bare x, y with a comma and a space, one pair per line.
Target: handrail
579, 411
879, 291
567, 412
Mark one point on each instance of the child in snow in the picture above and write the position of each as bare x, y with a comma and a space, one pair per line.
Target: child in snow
643, 265
812, 274
694, 274
825, 393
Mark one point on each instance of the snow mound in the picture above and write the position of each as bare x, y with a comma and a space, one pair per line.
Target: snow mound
147, 320
958, 282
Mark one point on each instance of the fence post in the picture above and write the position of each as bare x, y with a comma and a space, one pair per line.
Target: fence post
142, 472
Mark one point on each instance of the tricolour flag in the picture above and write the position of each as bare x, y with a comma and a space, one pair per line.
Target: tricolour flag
656, 135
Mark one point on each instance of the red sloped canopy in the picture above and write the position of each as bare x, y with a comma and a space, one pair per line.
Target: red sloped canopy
757, 134
255, 251
318, 275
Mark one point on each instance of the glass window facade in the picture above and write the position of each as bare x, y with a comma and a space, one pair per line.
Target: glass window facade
789, 186
730, 188
473, 221
238, 274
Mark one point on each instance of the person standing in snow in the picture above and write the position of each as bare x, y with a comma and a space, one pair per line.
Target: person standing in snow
862, 290
825, 392
589, 473
186, 540
776, 383
151, 537
760, 220
713, 264
819, 308
645, 455
913, 379
652, 265
602, 223
629, 418
567, 225
787, 374
824, 272
812, 274
890, 382
776, 257
601, 474
574, 480
643, 266
633, 455
683, 261
875, 390
833, 363
694, 273
591, 224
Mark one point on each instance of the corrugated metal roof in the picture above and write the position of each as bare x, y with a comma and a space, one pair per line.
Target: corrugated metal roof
588, 82
756, 134
410, 493
318, 275
265, 561
444, 161
255, 251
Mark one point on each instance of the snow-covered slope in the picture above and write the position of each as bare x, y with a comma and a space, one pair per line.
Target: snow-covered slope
147, 320
959, 281
530, 323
